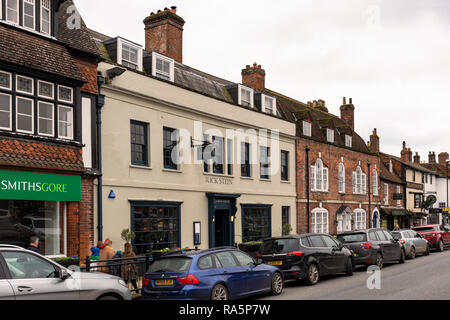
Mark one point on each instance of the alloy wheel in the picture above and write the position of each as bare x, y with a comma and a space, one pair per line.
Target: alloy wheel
277, 284
441, 246
219, 293
313, 274
379, 261
412, 254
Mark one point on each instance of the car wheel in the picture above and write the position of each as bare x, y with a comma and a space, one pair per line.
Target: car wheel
427, 252
379, 261
412, 253
108, 298
402, 257
277, 284
349, 268
219, 292
312, 276
440, 246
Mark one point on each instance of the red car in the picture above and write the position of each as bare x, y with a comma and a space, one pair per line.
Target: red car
438, 236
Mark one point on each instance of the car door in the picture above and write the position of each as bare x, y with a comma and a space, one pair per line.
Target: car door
34, 278
384, 244
419, 243
394, 247
234, 275
336, 260
321, 253
6, 290
445, 235
258, 276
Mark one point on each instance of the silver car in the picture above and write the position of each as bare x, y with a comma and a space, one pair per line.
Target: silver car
412, 242
25, 275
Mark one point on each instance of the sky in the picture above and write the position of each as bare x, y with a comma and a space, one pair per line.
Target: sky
391, 57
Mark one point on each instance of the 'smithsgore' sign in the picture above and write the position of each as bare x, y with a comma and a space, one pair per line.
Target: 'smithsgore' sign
18, 185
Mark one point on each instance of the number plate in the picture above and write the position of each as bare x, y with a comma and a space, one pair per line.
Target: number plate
275, 263
165, 282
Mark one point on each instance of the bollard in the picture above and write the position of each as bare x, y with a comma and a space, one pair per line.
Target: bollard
88, 263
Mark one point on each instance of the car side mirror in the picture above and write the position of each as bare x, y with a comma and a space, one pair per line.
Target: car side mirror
64, 274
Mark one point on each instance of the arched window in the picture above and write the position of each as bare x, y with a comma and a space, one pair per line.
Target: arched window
319, 220
319, 177
360, 219
359, 181
341, 178
344, 220
375, 182
376, 219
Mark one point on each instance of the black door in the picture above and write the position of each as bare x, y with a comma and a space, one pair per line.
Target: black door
222, 230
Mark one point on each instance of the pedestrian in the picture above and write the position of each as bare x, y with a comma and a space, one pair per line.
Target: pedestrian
106, 253
397, 227
129, 269
34, 244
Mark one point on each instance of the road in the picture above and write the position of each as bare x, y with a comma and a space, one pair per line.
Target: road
424, 278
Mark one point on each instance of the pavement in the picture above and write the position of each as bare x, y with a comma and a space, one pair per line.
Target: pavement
424, 278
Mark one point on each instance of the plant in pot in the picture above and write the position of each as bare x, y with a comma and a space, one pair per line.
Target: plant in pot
127, 235
287, 229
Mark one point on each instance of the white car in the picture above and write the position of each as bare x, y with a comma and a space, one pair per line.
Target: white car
25, 275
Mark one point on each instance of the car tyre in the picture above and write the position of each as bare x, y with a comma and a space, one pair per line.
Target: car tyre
427, 252
219, 292
277, 284
402, 256
379, 261
412, 253
108, 297
312, 276
349, 268
440, 245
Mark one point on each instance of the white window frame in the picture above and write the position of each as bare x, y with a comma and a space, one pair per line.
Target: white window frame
49, 17
319, 177
24, 92
348, 141
386, 194
375, 182
10, 79
17, 12
156, 56
33, 3
32, 115
250, 90
322, 227
126, 46
62, 100
341, 178
360, 219
330, 135
307, 128
52, 119
391, 166
399, 202
53, 90
359, 181
71, 123
10, 112
263, 104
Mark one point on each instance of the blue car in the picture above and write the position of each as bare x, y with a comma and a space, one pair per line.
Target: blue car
214, 274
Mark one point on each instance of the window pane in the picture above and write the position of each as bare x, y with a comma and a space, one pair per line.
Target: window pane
27, 266
11, 14
45, 118
256, 224
65, 119
24, 84
24, 115
139, 143
46, 89
65, 94
226, 259
28, 15
5, 80
5, 111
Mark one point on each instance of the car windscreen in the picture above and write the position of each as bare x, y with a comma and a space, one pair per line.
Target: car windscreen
426, 229
396, 234
352, 237
172, 264
279, 246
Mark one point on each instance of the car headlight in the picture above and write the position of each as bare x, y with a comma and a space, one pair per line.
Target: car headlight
123, 283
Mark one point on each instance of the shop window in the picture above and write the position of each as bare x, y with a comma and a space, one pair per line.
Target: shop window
256, 223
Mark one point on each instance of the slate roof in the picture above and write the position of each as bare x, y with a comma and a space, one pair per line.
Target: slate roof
409, 164
438, 169
24, 153
385, 174
25, 49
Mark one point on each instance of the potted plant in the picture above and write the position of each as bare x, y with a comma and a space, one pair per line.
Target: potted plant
127, 235
252, 247
287, 229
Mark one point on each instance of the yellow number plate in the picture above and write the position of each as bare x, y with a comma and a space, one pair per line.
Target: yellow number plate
167, 282
275, 263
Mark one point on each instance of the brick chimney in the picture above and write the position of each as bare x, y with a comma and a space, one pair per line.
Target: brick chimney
164, 33
431, 157
254, 77
374, 142
417, 158
348, 113
443, 157
410, 155
404, 153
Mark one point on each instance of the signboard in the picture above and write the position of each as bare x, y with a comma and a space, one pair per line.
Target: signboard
398, 212
446, 209
19, 185
398, 196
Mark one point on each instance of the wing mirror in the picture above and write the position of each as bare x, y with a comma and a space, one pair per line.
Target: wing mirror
64, 274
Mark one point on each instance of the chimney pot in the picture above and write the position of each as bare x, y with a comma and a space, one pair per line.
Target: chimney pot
344, 102
351, 100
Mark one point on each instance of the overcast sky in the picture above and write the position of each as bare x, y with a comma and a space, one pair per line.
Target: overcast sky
391, 57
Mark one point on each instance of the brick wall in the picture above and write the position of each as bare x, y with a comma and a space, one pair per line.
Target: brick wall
88, 68
333, 200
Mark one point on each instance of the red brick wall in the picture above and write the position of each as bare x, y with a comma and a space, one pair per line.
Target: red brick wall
166, 38
332, 200
392, 188
88, 68
254, 77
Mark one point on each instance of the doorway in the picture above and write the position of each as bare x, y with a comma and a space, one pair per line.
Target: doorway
222, 229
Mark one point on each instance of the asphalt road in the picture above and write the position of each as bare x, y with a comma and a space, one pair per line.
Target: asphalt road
424, 278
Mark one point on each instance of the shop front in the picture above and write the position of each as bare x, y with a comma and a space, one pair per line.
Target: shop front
390, 218
36, 204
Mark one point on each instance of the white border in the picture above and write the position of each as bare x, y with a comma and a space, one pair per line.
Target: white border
32, 115
164, 58
53, 119
24, 92
10, 112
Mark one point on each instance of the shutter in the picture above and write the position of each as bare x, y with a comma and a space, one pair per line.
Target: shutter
313, 178
354, 182
325, 179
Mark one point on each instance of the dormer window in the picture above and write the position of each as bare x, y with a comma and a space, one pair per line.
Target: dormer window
45, 16
28, 14
268, 105
129, 54
12, 11
330, 135
245, 96
348, 141
307, 128
163, 67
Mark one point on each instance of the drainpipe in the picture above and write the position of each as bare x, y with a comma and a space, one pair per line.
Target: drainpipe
307, 188
370, 210
100, 103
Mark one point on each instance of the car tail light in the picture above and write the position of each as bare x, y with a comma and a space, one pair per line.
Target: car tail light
145, 282
189, 279
366, 245
295, 253
259, 256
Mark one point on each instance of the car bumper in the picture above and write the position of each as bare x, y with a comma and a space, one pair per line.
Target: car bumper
294, 273
189, 292
365, 259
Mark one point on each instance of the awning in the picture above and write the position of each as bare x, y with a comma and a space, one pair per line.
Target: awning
395, 212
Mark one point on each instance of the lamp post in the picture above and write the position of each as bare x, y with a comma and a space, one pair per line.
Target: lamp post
370, 212
307, 186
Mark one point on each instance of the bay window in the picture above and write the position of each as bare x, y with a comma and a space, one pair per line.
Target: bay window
5, 111
65, 122
45, 118
24, 115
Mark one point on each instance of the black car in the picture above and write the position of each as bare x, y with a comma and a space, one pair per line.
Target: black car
307, 256
373, 246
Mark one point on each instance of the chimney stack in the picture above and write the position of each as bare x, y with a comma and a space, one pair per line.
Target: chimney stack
431, 157
164, 33
417, 158
404, 153
374, 142
254, 77
348, 113
443, 157
410, 155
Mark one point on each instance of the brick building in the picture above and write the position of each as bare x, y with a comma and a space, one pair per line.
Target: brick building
47, 98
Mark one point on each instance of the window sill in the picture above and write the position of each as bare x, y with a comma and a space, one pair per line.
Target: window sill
135, 166
285, 181
172, 170
247, 178
222, 175
265, 180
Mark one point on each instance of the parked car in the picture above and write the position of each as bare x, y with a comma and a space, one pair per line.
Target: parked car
25, 275
215, 274
307, 256
412, 242
373, 247
437, 235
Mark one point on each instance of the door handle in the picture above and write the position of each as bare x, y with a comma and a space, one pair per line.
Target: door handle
24, 289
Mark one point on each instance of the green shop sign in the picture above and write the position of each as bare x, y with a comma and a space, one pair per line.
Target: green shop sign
18, 185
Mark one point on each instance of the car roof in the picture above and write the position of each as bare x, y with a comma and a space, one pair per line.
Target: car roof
361, 231
190, 253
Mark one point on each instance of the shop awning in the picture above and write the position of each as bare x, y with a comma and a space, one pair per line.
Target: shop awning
395, 212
